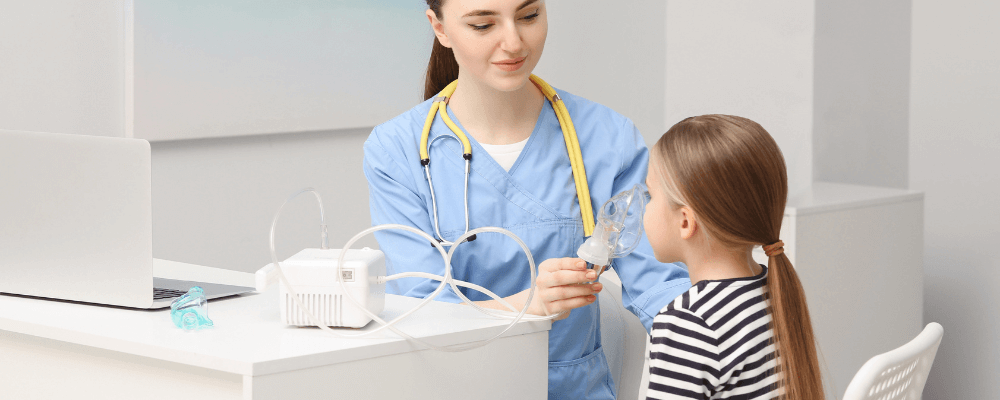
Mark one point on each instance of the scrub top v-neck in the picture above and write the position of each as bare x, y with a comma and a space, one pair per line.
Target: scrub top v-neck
505, 154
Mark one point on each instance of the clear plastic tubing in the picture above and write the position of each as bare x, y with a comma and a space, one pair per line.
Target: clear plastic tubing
445, 281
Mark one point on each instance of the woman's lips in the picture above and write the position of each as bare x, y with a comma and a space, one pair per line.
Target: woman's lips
510, 65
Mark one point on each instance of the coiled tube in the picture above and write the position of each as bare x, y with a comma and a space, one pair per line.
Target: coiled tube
446, 280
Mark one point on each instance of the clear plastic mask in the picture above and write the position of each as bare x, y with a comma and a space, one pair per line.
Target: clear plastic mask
190, 311
619, 227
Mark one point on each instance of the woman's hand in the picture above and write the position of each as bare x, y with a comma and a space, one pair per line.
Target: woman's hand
562, 286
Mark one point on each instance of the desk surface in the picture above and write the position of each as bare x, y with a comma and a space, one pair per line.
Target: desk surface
248, 337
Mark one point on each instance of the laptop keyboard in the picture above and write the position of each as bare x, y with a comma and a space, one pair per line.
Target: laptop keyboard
160, 293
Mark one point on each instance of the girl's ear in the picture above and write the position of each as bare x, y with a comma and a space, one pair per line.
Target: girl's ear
689, 223
438, 28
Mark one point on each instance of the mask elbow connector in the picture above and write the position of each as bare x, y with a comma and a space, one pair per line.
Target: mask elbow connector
595, 249
619, 228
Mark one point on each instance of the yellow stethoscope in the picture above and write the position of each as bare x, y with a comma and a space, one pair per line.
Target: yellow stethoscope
440, 106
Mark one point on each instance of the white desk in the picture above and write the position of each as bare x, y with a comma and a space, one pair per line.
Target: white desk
55, 349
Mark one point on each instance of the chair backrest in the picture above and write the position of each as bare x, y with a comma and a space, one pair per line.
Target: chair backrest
623, 337
899, 374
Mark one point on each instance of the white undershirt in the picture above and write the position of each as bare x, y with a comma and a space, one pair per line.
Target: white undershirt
505, 154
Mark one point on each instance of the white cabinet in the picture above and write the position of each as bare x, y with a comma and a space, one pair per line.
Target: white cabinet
858, 251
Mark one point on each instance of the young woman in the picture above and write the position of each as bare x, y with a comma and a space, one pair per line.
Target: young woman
520, 178
718, 187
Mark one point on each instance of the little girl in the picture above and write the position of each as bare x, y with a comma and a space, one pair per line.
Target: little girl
718, 187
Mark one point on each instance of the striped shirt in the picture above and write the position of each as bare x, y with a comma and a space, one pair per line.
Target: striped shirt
713, 342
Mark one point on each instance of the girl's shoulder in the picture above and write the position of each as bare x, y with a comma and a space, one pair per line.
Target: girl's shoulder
707, 298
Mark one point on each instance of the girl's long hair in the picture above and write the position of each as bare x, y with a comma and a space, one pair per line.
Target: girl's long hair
731, 173
442, 68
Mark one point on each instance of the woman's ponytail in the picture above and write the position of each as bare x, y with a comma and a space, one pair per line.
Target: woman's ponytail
442, 68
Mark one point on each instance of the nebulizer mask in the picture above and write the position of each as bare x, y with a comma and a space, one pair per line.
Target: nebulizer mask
618, 230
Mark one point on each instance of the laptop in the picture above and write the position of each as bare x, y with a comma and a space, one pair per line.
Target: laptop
76, 222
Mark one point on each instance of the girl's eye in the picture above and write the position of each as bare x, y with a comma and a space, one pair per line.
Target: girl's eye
531, 17
482, 27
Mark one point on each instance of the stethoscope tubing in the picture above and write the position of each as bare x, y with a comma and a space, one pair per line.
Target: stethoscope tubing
430, 183
439, 107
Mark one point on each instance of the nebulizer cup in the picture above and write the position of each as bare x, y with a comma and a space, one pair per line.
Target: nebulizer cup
618, 230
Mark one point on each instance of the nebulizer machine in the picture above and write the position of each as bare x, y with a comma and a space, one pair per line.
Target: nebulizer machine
333, 288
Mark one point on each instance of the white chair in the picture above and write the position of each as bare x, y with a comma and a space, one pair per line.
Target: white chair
899, 374
624, 339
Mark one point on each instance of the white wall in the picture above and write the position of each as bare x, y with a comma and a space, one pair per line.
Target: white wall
751, 59
230, 67
214, 198
955, 158
862, 92
613, 55
64, 66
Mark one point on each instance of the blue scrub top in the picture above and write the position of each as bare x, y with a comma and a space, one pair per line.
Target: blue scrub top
536, 200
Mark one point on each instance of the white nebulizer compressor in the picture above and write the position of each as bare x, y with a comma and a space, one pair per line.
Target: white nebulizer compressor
312, 273
333, 288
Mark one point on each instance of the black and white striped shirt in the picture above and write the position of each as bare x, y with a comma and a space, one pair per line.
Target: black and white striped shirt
713, 342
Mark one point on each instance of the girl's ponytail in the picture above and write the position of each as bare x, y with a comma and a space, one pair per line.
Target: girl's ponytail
793, 339
442, 68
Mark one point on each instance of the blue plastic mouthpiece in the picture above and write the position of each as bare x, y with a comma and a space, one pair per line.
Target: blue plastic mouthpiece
190, 311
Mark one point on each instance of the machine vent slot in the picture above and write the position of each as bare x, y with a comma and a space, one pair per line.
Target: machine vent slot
328, 308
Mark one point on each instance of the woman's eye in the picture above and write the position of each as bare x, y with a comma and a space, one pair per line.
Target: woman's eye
483, 27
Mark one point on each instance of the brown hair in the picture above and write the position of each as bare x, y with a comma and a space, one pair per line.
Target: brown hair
442, 68
731, 173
